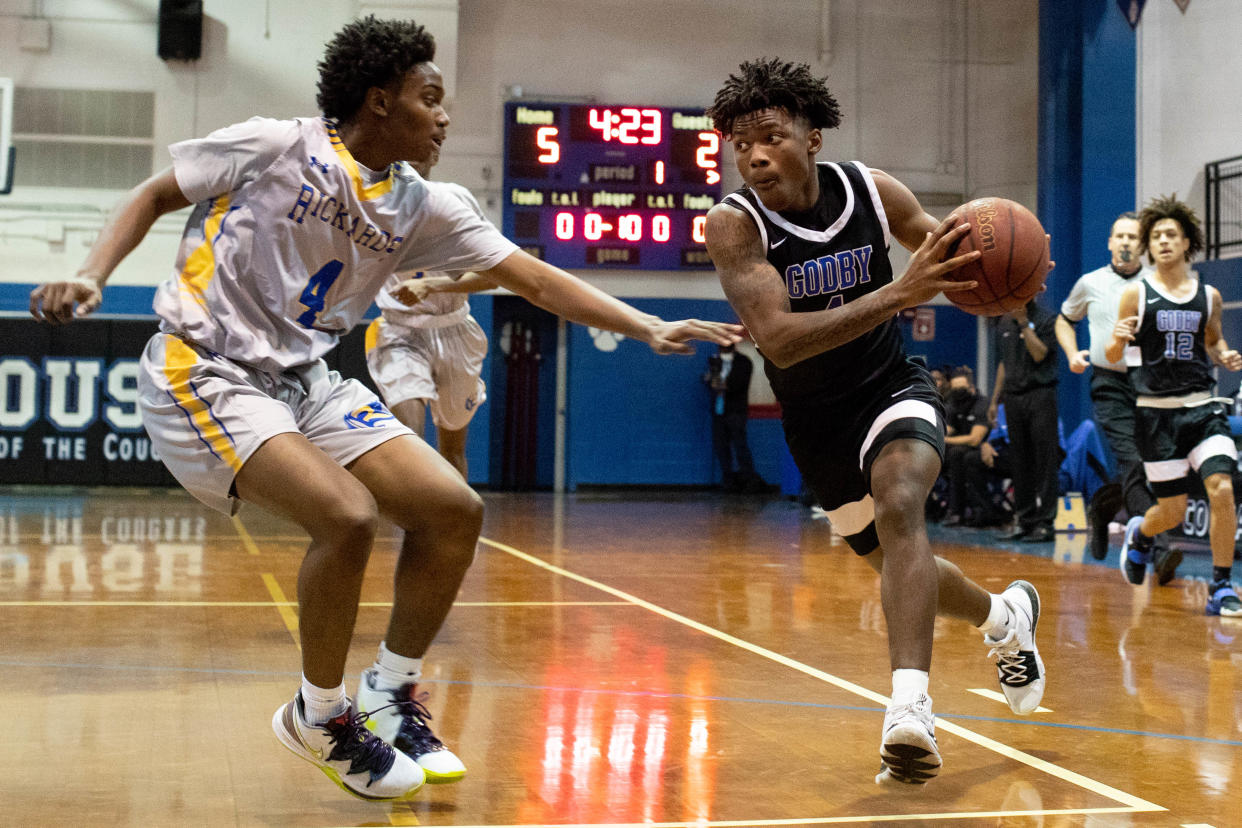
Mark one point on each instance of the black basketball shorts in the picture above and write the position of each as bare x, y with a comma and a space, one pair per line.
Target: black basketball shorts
834, 445
1172, 441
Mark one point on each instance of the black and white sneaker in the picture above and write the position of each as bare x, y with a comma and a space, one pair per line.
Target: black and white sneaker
1018, 665
908, 750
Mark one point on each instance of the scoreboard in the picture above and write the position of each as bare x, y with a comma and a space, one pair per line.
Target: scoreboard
587, 185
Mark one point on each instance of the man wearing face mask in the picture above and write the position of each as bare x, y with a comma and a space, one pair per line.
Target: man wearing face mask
966, 427
1096, 296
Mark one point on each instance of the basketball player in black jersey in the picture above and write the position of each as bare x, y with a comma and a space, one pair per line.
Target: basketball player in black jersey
802, 254
1175, 320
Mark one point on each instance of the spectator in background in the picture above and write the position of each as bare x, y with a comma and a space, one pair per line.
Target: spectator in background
966, 428
728, 376
1096, 296
1026, 379
940, 376
986, 472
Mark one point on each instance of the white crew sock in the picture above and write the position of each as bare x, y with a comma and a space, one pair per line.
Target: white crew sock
998, 620
320, 704
908, 685
394, 670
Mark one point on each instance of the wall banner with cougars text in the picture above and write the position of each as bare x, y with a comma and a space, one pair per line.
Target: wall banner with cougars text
69, 404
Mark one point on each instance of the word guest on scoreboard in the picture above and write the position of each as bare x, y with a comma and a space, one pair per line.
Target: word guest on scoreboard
589, 185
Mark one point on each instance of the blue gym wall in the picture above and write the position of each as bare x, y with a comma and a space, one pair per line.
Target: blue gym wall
1087, 154
134, 302
640, 419
636, 418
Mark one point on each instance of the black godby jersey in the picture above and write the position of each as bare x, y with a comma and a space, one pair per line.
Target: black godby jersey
827, 257
1172, 338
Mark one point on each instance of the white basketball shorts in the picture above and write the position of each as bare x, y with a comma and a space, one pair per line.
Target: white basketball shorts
442, 365
206, 415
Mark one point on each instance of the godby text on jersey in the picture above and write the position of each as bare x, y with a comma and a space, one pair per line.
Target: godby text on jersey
1178, 320
829, 274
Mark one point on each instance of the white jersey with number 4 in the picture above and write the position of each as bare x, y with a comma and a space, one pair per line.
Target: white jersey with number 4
291, 239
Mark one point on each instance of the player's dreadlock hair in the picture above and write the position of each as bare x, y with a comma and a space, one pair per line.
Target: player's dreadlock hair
1168, 207
765, 83
368, 52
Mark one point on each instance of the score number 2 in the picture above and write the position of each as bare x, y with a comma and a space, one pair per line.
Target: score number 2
707, 155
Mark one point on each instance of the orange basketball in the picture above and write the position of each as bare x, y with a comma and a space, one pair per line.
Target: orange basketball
1014, 263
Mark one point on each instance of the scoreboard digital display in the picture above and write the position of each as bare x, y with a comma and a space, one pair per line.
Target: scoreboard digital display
588, 185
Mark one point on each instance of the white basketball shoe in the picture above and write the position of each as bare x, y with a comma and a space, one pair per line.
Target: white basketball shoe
908, 748
398, 716
1018, 665
355, 759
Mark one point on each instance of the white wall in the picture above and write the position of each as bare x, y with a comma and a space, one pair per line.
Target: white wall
1189, 96
941, 93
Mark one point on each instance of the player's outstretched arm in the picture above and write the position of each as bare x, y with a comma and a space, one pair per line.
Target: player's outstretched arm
565, 295
758, 295
60, 302
414, 290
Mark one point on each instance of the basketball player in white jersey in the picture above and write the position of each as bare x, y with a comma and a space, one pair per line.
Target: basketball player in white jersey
428, 353
296, 226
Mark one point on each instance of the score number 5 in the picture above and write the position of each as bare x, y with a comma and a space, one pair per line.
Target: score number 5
545, 139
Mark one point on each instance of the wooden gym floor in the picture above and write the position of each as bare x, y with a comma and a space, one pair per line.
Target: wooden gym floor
681, 659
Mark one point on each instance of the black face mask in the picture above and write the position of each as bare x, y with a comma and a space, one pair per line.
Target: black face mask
958, 396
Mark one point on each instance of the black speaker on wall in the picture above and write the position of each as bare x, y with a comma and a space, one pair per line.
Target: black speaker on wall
181, 29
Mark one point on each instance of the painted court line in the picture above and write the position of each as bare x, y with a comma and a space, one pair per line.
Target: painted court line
286, 608
287, 603
1132, 802
994, 696
283, 606
776, 823
246, 539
